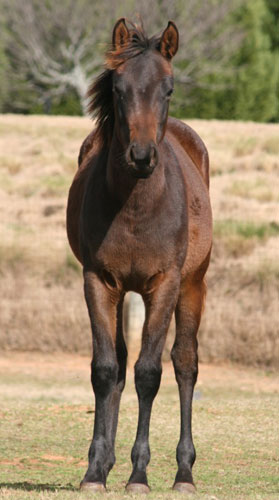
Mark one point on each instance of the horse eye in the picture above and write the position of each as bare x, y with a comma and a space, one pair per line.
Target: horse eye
169, 93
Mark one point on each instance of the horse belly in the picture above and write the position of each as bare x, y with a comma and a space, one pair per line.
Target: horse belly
75, 198
199, 225
198, 213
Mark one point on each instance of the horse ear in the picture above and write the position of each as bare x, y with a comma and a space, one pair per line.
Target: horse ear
120, 34
169, 41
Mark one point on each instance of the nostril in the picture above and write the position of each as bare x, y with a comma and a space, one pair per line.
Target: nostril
142, 154
130, 157
132, 153
154, 155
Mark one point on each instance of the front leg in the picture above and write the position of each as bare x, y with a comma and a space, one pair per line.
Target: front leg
102, 308
121, 353
159, 303
185, 360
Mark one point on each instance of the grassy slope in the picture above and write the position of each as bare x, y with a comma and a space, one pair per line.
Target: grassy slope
46, 426
42, 304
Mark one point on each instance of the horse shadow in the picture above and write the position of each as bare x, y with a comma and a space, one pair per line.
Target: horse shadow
25, 486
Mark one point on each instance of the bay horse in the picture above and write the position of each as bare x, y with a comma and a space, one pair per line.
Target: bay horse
139, 219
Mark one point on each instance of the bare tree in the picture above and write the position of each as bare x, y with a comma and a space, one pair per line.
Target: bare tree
57, 44
209, 37
60, 45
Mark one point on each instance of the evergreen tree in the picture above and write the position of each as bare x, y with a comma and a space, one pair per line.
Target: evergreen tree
256, 81
272, 25
272, 30
247, 88
4, 65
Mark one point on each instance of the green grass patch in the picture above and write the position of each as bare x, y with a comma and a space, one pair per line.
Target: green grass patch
69, 162
11, 164
245, 229
64, 271
55, 185
44, 441
271, 145
245, 146
13, 256
20, 228
5, 181
239, 238
258, 189
49, 186
72, 263
267, 272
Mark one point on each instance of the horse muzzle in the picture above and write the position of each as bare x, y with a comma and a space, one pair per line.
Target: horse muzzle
142, 159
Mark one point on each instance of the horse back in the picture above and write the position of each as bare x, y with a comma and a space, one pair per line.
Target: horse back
192, 144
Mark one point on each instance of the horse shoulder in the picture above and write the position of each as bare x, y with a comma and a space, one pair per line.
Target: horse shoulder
89, 149
90, 143
192, 144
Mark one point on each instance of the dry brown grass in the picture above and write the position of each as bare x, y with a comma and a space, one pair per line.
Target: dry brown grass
42, 304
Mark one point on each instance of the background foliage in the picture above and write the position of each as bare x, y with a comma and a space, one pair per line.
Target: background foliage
227, 65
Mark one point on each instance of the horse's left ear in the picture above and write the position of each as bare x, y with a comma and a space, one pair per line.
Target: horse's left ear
169, 41
120, 35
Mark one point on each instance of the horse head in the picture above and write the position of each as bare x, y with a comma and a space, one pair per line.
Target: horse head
142, 84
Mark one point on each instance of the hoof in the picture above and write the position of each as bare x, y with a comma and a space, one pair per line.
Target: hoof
94, 487
187, 488
139, 488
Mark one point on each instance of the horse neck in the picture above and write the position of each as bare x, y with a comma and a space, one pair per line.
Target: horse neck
123, 186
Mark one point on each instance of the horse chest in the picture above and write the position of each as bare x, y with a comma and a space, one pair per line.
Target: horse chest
135, 251
137, 240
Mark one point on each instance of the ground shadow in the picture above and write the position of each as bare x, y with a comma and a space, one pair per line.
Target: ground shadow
37, 487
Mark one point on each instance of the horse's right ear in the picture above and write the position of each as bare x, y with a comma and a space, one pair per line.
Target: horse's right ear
120, 35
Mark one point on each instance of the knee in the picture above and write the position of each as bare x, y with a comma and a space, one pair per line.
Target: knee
103, 376
185, 454
122, 364
185, 363
140, 453
147, 378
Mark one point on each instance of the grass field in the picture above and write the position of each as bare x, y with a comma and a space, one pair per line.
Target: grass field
47, 412
42, 306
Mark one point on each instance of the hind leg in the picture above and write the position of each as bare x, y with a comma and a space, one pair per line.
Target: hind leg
185, 360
